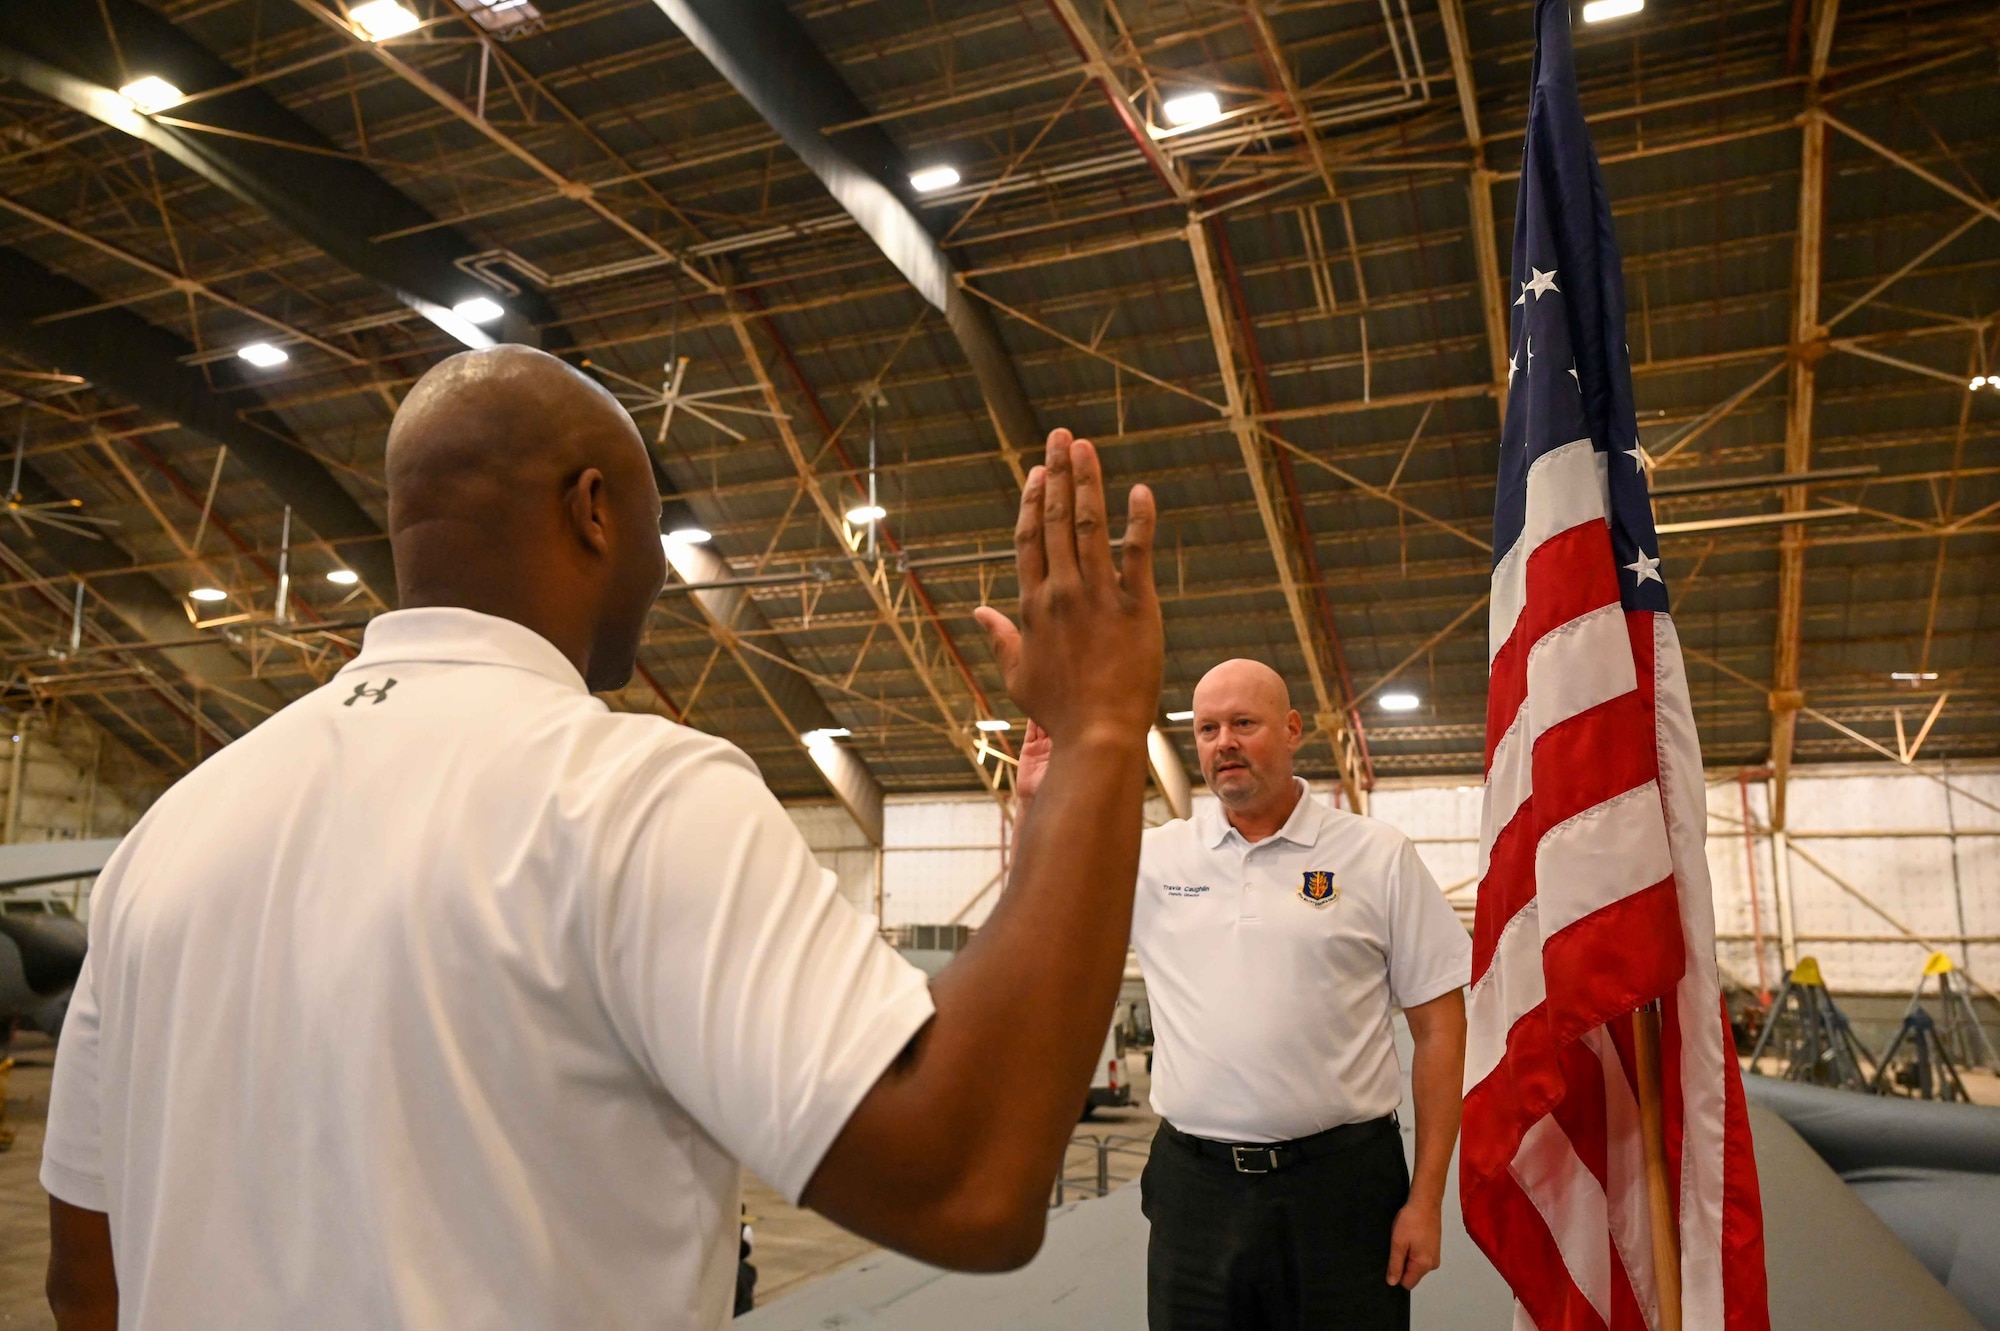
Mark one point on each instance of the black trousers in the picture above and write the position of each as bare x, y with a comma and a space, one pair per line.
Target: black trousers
1302, 1248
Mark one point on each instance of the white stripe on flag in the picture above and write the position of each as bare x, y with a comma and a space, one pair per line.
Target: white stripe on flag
1572, 669
1699, 994
1577, 666
1567, 487
1509, 781
1627, 1206
1600, 857
1511, 987
1564, 1190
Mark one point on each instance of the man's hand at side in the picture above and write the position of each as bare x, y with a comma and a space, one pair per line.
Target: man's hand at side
951, 1156
1415, 1242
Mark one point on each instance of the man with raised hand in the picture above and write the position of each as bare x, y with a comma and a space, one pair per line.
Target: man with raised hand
1275, 933
449, 997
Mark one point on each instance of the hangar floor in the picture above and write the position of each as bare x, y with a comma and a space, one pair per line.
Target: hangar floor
24, 1214
794, 1246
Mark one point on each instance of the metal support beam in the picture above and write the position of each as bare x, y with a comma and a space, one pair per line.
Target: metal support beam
1097, 64
1479, 193
731, 613
1277, 515
153, 612
1280, 531
1808, 339
873, 580
771, 61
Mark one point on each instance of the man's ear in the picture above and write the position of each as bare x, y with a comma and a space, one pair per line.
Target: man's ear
1295, 729
589, 510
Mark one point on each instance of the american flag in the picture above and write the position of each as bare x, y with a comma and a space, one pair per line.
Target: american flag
1594, 894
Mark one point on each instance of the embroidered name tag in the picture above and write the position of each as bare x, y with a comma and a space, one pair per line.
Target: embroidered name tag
1185, 889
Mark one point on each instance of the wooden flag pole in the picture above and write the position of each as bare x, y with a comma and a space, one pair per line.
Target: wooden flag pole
1659, 1197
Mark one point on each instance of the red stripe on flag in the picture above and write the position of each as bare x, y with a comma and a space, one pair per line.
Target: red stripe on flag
1530, 1261
1746, 1297
1577, 765
1613, 961
1504, 1105
1585, 991
1581, 1111
1625, 1314
1569, 574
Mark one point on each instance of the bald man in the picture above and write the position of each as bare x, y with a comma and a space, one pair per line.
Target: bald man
449, 998
1275, 933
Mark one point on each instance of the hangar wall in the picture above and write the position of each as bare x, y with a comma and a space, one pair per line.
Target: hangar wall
1870, 844
64, 779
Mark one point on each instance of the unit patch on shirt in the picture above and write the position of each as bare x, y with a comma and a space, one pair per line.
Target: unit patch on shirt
1319, 889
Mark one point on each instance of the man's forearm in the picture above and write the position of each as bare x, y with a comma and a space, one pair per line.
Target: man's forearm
1437, 1106
1055, 948
1436, 1076
82, 1284
983, 1107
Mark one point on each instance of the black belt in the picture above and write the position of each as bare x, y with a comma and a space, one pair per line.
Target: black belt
1270, 1157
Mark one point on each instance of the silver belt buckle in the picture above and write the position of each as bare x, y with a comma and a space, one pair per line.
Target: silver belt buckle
1241, 1156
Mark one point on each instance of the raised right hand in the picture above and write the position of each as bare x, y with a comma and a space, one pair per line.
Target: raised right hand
1085, 660
950, 1156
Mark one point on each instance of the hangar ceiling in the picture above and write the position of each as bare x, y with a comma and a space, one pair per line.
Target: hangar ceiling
1286, 314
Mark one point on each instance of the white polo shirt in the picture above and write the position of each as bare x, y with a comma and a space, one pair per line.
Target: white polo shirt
450, 998
1271, 986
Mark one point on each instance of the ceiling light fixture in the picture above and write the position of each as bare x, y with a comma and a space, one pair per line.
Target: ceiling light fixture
379, 20
933, 178
467, 332
1982, 381
1398, 702
263, 355
1180, 716
343, 577
685, 536
209, 594
1192, 109
1599, 10
1912, 676
152, 93
504, 18
828, 735
478, 310
865, 514
993, 724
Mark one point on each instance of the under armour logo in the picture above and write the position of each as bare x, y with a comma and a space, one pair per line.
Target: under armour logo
362, 690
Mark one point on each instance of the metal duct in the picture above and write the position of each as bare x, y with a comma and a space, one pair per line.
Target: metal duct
336, 204
768, 57
129, 358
